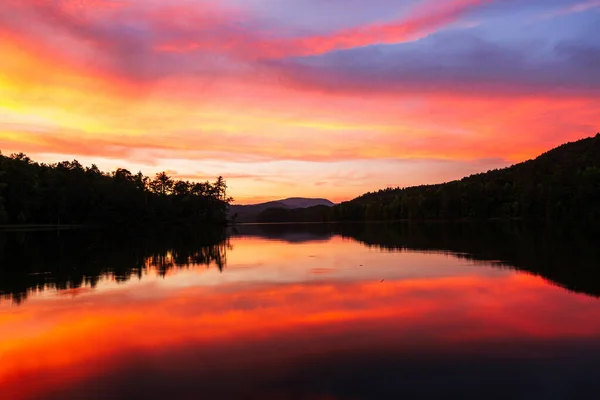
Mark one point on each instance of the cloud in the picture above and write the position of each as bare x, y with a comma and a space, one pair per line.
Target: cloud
118, 39
145, 42
420, 22
451, 62
574, 8
150, 40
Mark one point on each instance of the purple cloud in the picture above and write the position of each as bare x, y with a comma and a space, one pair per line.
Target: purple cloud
456, 61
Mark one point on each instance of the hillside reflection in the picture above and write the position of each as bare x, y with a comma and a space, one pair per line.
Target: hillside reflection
566, 255
34, 262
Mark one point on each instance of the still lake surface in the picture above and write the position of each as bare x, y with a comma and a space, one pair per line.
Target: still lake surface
301, 312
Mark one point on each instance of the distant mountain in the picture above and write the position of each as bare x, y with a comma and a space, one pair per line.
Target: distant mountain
250, 212
308, 214
301, 202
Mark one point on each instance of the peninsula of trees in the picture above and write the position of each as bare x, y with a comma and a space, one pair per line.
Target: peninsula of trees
68, 193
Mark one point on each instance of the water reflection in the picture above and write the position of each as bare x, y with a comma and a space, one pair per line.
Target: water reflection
345, 312
35, 261
567, 255
32, 262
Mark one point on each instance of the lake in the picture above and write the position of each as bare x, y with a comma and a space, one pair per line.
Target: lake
377, 311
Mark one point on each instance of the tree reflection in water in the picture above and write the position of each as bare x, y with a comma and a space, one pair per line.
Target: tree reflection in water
31, 262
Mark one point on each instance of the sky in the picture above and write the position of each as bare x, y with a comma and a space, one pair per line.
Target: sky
313, 98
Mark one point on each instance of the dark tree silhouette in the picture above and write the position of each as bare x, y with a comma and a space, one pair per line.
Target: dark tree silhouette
561, 183
68, 193
162, 184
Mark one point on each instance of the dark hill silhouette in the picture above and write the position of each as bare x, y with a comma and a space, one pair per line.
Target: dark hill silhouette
561, 183
249, 213
301, 202
308, 214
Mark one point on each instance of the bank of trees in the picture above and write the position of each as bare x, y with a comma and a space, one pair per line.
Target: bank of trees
69, 193
562, 183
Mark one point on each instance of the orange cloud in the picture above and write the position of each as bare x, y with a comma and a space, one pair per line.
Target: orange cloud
423, 21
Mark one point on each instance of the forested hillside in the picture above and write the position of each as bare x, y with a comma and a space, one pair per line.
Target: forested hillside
68, 193
563, 182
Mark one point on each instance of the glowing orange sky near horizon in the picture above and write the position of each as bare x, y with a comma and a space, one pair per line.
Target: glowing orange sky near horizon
271, 295
192, 90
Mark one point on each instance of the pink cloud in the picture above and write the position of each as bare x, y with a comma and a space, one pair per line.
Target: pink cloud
249, 44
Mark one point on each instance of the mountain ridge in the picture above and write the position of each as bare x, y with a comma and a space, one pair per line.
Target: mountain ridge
250, 212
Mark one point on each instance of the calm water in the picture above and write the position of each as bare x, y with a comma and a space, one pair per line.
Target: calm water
305, 312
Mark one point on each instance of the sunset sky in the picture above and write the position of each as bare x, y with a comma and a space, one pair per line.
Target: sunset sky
314, 98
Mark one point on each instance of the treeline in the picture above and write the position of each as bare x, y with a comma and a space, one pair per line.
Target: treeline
561, 183
68, 193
